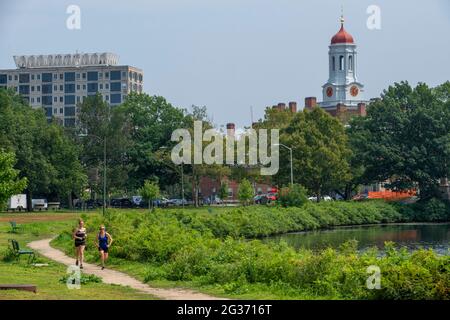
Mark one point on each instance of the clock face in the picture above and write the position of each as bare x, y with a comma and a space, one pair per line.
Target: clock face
329, 91
354, 91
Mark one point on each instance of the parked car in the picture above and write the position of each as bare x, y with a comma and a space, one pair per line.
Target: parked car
324, 198
121, 203
361, 197
163, 202
177, 202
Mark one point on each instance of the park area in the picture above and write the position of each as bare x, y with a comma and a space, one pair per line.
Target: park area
223, 252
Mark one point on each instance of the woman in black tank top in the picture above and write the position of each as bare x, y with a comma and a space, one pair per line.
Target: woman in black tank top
79, 236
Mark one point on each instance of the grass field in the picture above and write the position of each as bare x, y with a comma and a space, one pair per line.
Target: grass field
36, 226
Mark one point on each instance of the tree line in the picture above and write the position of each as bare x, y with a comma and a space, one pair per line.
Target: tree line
404, 142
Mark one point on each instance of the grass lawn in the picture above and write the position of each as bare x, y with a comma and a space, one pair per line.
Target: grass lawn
41, 225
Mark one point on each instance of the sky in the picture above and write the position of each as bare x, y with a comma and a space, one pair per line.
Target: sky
236, 55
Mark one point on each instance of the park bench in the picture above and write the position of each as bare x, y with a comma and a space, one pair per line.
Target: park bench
18, 252
14, 227
24, 287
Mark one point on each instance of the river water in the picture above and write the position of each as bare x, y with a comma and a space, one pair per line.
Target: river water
411, 235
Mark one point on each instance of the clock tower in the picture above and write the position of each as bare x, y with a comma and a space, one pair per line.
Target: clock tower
342, 86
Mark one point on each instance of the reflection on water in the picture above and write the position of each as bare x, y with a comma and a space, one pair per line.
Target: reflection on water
413, 236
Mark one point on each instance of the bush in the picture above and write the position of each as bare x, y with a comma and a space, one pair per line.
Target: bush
293, 196
209, 249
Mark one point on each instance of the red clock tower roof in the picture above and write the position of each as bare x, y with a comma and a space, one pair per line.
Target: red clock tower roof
342, 36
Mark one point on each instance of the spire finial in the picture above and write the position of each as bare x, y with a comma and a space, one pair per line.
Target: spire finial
342, 16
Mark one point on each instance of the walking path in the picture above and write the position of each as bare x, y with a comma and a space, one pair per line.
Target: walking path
116, 277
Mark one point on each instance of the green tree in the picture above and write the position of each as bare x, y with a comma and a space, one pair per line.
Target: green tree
10, 182
102, 128
405, 139
152, 120
42, 149
320, 152
150, 192
245, 192
293, 196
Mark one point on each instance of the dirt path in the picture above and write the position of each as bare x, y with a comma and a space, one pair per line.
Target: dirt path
116, 277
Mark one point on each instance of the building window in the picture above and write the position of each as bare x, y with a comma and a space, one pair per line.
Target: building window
61, 88
92, 87
100, 75
106, 74
32, 100
69, 76
334, 63
55, 88
38, 88
38, 99
32, 77
39, 77
61, 99
106, 97
46, 88
115, 86
84, 75
47, 100
78, 87
92, 76
84, 87
107, 86
61, 110
69, 111
24, 89
116, 98
55, 99
46, 77
78, 99
3, 79
341, 62
350, 62
78, 76
55, 76
15, 77
115, 75
101, 86
32, 88
10, 77
24, 78
69, 100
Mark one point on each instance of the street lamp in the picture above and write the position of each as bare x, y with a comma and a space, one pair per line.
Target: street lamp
290, 150
104, 165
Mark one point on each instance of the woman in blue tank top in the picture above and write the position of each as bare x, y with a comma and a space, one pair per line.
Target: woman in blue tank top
104, 241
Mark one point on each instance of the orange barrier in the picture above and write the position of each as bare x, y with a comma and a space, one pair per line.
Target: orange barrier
391, 195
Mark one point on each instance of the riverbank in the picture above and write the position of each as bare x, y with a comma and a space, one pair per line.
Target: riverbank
207, 250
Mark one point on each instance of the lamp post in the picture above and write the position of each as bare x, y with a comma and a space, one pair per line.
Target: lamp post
290, 150
104, 165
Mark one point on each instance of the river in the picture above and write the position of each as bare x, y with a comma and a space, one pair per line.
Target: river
411, 235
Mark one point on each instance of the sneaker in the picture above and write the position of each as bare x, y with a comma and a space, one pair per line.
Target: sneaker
76, 262
103, 268
81, 266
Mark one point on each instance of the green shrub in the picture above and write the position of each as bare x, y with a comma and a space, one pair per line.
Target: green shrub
210, 249
293, 196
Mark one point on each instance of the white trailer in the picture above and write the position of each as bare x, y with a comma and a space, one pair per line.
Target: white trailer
17, 202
